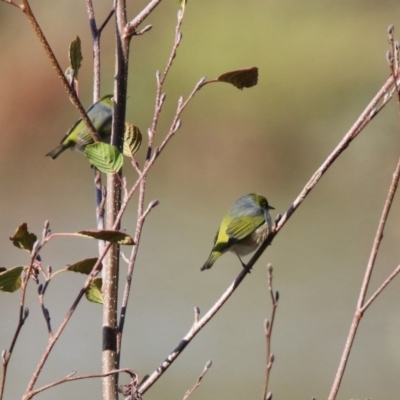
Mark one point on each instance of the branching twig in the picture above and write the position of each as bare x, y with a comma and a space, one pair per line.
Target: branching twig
25, 7
361, 304
160, 98
71, 378
269, 324
131, 26
199, 379
55, 337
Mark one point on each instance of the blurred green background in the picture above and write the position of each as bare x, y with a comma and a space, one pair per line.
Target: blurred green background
320, 63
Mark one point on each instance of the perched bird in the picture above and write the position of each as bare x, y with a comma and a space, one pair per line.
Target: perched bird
244, 227
78, 137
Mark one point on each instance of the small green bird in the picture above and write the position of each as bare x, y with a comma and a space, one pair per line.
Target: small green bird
78, 137
243, 229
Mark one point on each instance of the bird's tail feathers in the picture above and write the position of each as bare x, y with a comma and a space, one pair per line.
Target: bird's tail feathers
56, 152
211, 260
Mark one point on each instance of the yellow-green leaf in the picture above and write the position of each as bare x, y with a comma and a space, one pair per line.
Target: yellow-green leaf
241, 78
132, 139
23, 239
10, 280
93, 293
109, 236
84, 266
75, 55
104, 157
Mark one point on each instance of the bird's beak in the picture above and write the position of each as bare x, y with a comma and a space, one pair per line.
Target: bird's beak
271, 208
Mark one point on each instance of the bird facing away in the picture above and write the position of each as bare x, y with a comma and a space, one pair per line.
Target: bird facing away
244, 227
78, 137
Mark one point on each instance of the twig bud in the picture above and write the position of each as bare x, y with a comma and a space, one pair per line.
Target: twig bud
271, 358
270, 268
200, 83
4, 355
40, 289
196, 314
390, 30
276, 296
266, 325
162, 98
26, 313
154, 203
177, 126
209, 364
389, 57
46, 229
372, 113
269, 396
35, 247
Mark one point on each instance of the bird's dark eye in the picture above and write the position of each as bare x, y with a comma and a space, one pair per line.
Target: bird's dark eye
264, 204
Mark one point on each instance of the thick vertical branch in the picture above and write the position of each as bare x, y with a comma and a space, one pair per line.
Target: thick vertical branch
113, 202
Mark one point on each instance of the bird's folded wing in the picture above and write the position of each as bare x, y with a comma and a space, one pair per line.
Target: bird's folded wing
241, 227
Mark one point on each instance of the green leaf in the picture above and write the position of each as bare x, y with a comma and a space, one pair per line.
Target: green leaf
23, 239
84, 266
75, 55
104, 157
10, 280
241, 78
182, 3
109, 236
132, 140
93, 293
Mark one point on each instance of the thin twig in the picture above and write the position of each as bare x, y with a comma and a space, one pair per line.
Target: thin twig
361, 305
71, 378
161, 79
198, 381
71, 92
131, 266
380, 289
45, 311
134, 24
13, 3
269, 324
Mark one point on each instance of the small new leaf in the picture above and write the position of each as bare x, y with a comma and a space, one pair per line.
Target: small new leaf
93, 293
132, 140
75, 55
23, 239
182, 3
84, 266
10, 280
109, 236
104, 157
241, 78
